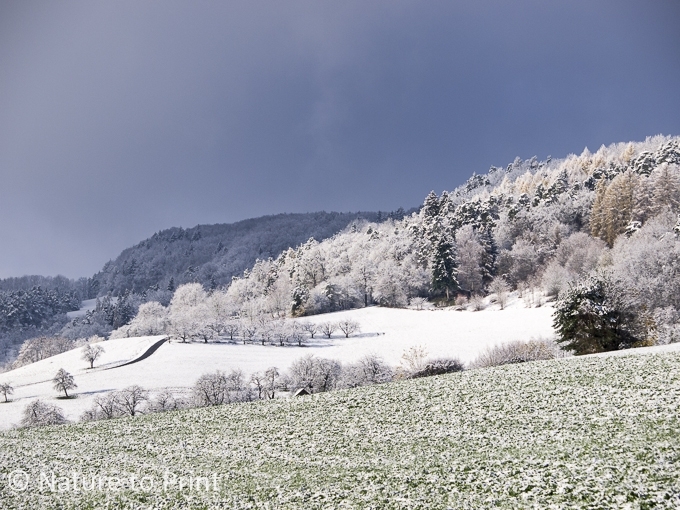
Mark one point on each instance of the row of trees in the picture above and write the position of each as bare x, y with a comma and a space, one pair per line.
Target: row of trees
194, 314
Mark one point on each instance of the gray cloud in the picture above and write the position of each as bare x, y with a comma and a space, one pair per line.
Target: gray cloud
120, 119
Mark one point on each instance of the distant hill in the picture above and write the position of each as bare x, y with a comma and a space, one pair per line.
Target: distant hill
213, 254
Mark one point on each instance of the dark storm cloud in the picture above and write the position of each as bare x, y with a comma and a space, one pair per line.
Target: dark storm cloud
120, 119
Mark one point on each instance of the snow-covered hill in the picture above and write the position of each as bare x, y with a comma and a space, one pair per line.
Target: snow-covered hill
385, 331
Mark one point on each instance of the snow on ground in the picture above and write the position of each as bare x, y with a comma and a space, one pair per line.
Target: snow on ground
34, 380
655, 349
175, 365
86, 306
385, 331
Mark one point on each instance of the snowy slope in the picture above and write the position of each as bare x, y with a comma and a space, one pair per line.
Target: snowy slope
86, 306
387, 332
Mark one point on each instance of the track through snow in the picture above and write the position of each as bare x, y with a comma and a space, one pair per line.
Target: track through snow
145, 355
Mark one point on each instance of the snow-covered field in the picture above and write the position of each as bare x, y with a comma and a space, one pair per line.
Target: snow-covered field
582, 432
86, 306
385, 331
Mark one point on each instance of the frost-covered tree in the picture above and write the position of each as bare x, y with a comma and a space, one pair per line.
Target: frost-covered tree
130, 399
310, 327
315, 374
614, 207
41, 414
370, 369
63, 381
105, 407
188, 315
151, 319
297, 334
39, 348
591, 317
645, 268
328, 328
6, 389
231, 328
91, 353
211, 389
258, 380
470, 259
501, 289
348, 327
665, 189
303, 373
442, 262
576, 256
271, 377
164, 401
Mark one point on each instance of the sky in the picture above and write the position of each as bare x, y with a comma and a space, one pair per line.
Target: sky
120, 119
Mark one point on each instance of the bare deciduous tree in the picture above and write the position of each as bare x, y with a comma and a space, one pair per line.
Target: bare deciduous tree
211, 389
501, 289
164, 401
297, 335
231, 329
6, 389
281, 331
258, 380
310, 327
63, 381
106, 406
328, 328
248, 331
271, 376
348, 327
131, 398
91, 353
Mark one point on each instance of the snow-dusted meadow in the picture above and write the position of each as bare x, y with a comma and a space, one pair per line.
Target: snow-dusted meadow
581, 432
175, 365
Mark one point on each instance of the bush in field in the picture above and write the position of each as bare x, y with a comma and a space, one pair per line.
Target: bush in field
518, 352
371, 369
315, 374
419, 303
126, 402
220, 388
437, 367
40, 414
165, 401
